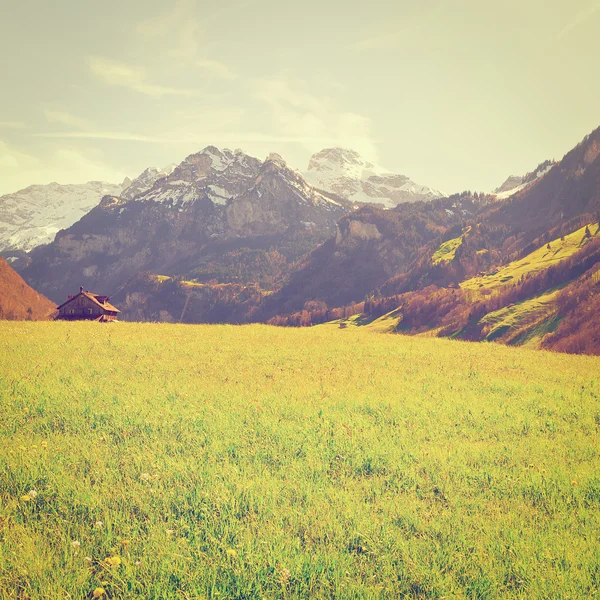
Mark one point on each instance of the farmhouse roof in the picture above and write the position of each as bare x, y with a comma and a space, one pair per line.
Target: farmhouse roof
95, 298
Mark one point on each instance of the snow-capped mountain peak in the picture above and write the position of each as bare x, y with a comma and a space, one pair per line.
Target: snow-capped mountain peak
346, 173
32, 216
222, 175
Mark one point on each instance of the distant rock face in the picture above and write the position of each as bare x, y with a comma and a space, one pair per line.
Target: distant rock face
346, 173
516, 183
214, 202
511, 183
34, 215
355, 233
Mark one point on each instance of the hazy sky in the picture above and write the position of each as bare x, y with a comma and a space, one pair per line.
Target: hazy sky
456, 94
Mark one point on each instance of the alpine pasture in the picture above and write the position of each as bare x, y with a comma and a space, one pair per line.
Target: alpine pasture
172, 461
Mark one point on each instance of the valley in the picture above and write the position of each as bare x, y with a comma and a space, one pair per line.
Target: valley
299, 301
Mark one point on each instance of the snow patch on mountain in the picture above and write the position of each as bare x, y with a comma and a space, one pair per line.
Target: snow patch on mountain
218, 195
34, 215
347, 174
516, 183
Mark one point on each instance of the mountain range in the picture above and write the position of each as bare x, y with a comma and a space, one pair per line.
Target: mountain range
216, 212
226, 237
32, 216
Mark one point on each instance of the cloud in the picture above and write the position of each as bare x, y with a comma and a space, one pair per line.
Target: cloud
217, 69
64, 164
53, 116
415, 24
581, 17
191, 137
13, 125
10, 159
98, 135
302, 117
379, 42
179, 30
120, 74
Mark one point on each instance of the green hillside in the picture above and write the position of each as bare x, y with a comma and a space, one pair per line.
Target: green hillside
178, 461
446, 251
502, 323
536, 261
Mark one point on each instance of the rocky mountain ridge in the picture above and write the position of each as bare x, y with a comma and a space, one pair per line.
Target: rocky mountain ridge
144, 181
213, 203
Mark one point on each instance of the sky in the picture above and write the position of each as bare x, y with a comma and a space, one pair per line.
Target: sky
456, 94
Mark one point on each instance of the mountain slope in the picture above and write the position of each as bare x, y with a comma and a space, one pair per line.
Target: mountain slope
18, 301
34, 215
569, 190
346, 173
371, 246
553, 303
214, 203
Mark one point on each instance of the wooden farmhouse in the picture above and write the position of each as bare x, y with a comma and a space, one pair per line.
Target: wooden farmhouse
87, 306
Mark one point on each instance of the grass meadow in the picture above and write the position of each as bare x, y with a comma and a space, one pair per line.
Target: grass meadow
186, 461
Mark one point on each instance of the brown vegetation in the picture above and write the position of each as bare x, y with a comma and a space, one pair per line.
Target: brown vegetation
18, 301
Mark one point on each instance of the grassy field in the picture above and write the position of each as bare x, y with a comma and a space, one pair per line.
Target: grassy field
172, 461
387, 323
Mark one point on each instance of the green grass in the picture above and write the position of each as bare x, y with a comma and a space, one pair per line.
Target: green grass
536, 261
446, 251
256, 462
510, 318
387, 323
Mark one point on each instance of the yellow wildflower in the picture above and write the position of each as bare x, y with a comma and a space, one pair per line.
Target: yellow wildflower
113, 561
26, 498
99, 592
231, 552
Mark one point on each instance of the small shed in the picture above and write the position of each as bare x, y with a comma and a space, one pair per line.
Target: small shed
87, 306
